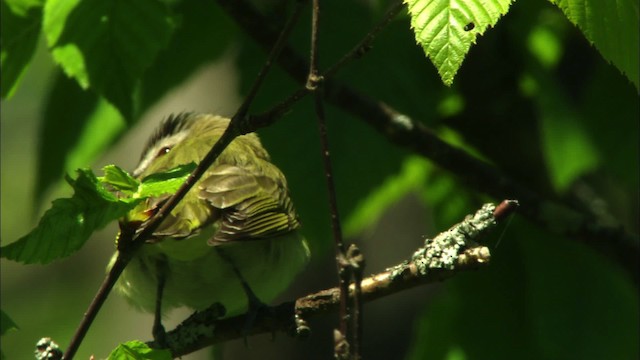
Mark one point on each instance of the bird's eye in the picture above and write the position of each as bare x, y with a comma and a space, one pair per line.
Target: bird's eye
163, 151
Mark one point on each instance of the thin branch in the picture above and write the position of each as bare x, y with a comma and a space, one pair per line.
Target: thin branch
130, 243
439, 258
400, 129
344, 336
365, 44
273, 56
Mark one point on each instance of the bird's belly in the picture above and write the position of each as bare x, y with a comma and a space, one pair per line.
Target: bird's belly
268, 266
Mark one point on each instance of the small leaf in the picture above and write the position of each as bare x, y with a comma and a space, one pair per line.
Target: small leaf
165, 183
67, 225
19, 36
612, 26
6, 324
107, 45
119, 179
446, 29
137, 350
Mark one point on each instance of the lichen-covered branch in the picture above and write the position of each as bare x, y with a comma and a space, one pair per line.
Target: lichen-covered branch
438, 258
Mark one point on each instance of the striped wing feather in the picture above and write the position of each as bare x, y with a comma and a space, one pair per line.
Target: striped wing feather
251, 206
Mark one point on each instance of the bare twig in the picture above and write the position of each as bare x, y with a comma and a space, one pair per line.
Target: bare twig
346, 336
439, 258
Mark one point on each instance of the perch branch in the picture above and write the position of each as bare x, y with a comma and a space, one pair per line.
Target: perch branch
439, 258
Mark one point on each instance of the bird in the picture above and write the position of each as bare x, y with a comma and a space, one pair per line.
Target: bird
233, 240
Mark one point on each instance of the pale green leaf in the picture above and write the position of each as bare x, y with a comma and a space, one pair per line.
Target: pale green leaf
446, 28
137, 350
165, 183
107, 45
119, 179
612, 26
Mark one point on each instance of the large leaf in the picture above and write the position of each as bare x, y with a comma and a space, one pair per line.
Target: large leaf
612, 26
107, 45
19, 35
446, 28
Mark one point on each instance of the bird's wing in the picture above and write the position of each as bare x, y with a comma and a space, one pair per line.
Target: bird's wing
252, 206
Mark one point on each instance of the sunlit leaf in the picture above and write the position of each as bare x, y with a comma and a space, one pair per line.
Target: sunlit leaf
166, 182
446, 29
119, 179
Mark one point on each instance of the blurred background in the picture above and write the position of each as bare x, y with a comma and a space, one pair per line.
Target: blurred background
533, 98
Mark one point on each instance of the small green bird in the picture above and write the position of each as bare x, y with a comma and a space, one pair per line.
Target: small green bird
237, 226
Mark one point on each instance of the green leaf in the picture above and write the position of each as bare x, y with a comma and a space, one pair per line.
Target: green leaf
107, 45
73, 137
166, 182
446, 29
19, 33
69, 223
612, 26
137, 350
6, 324
119, 179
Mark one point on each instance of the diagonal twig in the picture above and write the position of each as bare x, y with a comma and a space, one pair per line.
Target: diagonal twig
129, 242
